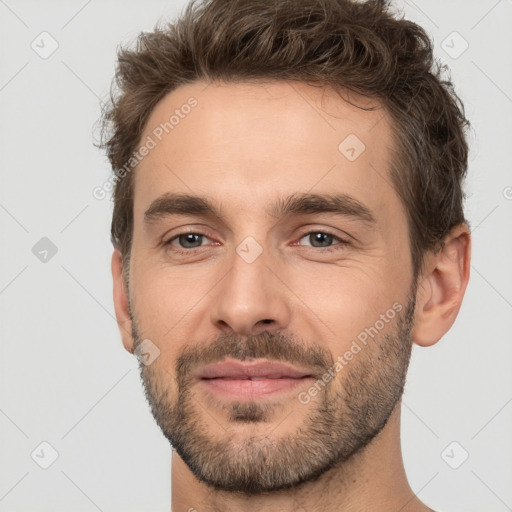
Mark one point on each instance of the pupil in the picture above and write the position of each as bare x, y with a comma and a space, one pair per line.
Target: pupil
322, 238
189, 238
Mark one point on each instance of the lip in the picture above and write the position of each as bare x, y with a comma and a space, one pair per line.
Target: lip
231, 369
251, 380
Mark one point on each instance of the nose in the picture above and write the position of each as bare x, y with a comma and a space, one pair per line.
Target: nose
250, 298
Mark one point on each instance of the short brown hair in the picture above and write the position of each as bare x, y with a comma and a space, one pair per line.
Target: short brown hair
350, 45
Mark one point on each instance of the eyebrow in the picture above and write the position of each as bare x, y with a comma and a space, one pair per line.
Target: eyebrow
296, 204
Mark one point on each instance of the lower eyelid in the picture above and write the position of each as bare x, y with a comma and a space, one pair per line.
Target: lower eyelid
340, 241
169, 242
175, 238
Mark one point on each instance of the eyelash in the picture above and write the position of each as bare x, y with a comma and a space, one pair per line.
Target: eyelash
336, 247
342, 243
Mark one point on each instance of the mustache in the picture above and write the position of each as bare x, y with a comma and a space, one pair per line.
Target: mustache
265, 345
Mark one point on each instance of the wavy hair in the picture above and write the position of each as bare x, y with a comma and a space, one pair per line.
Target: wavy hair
359, 46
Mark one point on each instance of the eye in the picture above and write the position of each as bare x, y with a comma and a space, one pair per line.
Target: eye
323, 239
186, 241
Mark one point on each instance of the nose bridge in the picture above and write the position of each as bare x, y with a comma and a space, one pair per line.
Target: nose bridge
249, 298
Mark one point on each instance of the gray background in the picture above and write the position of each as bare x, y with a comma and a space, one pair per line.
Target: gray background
65, 378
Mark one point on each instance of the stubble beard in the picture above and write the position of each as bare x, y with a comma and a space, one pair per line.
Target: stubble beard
343, 418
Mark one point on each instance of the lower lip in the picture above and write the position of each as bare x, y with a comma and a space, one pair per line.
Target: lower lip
253, 389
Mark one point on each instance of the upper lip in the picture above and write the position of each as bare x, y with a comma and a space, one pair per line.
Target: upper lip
248, 370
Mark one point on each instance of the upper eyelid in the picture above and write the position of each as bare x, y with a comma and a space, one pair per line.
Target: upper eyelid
165, 238
300, 236
174, 237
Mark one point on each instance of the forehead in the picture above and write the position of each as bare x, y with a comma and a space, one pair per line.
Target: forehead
252, 142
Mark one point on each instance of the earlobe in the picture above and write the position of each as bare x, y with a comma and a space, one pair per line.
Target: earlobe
442, 287
121, 304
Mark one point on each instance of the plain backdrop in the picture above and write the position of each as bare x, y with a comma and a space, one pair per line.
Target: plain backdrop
65, 378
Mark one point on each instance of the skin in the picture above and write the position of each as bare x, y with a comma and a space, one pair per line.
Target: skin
244, 146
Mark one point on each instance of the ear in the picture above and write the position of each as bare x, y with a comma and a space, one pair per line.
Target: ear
121, 302
441, 287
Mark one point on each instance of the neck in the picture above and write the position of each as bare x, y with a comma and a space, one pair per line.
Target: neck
373, 479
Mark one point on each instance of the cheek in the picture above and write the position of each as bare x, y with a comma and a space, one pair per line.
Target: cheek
346, 300
166, 301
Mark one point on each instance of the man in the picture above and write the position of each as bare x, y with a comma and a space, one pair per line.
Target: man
287, 222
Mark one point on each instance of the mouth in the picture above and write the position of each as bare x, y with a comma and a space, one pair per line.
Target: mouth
251, 380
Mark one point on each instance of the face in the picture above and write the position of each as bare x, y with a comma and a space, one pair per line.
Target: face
271, 268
